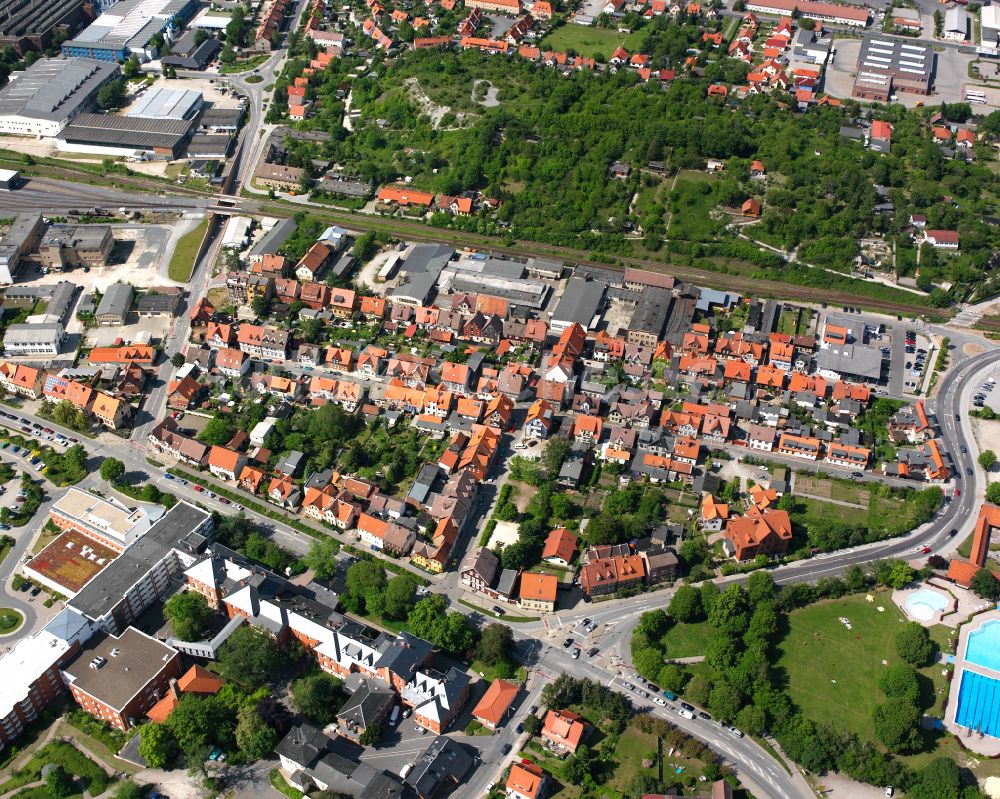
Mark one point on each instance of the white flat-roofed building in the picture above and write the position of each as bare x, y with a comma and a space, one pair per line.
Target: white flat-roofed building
989, 30
237, 232
31, 678
107, 521
956, 24
163, 103
35, 339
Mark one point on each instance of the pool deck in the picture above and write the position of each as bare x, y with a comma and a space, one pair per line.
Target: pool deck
981, 744
964, 603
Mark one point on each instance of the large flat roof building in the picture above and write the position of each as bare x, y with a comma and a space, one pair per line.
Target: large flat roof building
887, 66
21, 238
105, 520
579, 304
112, 134
28, 25
48, 95
126, 29
117, 679
141, 574
163, 103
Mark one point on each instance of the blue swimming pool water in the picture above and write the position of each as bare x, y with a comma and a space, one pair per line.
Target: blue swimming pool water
979, 703
923, 604
983, 647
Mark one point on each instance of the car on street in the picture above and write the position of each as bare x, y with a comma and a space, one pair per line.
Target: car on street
963, 449
497, 611
687, 714
532, 710
952, 532
198, 487
643, 694
168, 476
505, 749
224, 501
629, 686
686, 706
736, 732
520, 728
857, 475
670, 695
660, 701
925, 550
36, 591
958, 417
958, 492
703, 715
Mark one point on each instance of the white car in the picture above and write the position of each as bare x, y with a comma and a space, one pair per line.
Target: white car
659, 701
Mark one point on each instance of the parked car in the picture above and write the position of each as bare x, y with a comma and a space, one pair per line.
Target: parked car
505, 749
686, 706
576, 652
567, 643
628, 686
592, 651
198, 487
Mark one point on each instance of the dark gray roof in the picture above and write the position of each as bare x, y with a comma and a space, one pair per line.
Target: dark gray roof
116, 300
367, 705
124, 131
55, 89
180, 528
130, 661
444, 763
303, 744
579, 302
275, 238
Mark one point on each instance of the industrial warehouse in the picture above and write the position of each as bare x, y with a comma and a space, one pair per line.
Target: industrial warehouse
126, 29
44, 98
887, 66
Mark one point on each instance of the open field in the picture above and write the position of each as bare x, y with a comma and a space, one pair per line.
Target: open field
833, 672
589, 41
687, 640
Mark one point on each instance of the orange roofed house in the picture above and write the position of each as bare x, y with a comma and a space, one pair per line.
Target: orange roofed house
962, 571
758, 533
606, 575
495, 704
559, 547
526, 781
564, 730
407, 198
538, 591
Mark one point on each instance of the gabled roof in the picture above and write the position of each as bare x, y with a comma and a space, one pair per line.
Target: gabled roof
560, 543
496, 701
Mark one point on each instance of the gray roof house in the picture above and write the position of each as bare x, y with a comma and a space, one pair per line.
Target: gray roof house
115, 304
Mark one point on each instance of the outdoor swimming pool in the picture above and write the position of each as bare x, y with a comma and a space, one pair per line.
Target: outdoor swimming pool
979, 703
925, 603
983, 646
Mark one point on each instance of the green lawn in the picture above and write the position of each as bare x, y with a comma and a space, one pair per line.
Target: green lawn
10, 620
885, 516
66, 755
590, 41
833, 672
182, 261
690, 203
687, 640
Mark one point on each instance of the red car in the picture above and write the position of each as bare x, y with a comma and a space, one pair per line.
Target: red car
198, 488
958, 492
925, 551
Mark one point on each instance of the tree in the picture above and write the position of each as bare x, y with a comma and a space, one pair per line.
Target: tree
371, 735
914, 645
495, 644
198, 723
760, 586
730, 613
725, 701
699, 689
318, 696
900, 575
532, 725
177, 360
900, 681
250, 658
112, 470
58, 780
896, 724
672, 678
364, 577
987, 459
111, 95
993, 493
131, 68
322, 558
685, 606
399, 595
217, 432
648, 662
188, 613
254, 737
939, 779
157, 745
986, 585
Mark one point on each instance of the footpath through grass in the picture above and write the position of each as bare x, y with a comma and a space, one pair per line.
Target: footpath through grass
182, 261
